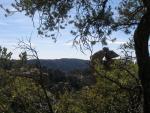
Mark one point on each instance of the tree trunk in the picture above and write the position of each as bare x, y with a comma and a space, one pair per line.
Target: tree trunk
141, 38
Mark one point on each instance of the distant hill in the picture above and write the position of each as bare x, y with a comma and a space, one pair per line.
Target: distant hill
64, 64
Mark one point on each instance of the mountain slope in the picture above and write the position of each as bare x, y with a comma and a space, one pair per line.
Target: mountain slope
64, 64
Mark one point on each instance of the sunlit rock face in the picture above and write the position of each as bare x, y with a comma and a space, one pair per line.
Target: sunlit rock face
102, 56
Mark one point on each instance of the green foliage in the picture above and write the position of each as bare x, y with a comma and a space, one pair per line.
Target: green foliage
5, 58
114, 92
21, 95
93, 20
130, 13
23, 58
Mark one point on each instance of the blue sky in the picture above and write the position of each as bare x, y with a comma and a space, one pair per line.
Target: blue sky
18, 26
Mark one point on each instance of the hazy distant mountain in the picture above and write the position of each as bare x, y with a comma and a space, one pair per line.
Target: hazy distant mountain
64, 64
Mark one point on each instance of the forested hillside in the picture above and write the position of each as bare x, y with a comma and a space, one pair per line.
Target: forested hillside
30, 88
65, 65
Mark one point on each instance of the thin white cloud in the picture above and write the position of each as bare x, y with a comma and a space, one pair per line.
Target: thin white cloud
70, 43
116, 42
8, 43
3, 23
